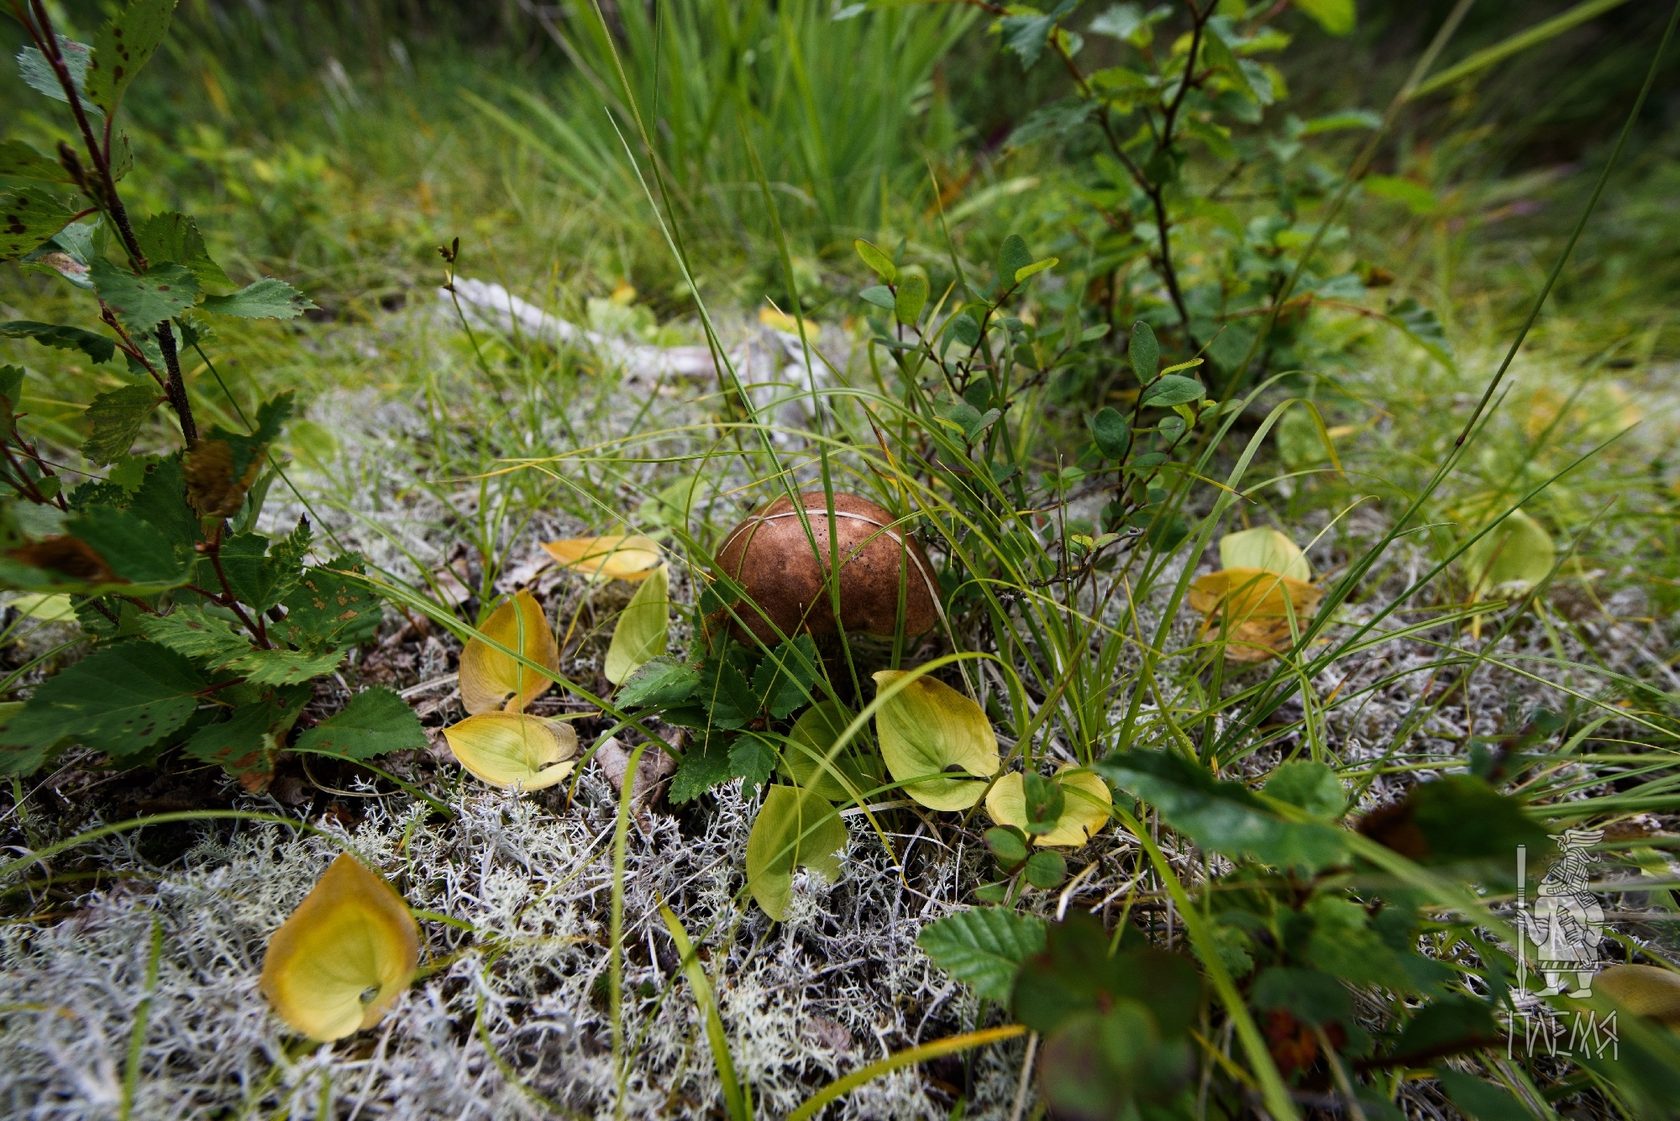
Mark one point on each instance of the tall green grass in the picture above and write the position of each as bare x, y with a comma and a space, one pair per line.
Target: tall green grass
841, 108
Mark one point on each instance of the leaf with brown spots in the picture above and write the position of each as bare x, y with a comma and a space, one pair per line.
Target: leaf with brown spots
122, 47
29, 217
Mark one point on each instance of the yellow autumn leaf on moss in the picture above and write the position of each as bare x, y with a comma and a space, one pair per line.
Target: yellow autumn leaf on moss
1259, 613
343, 956
1085, 806
642, 630
625, 557
787, 324
935, 741
510, 749
492, 680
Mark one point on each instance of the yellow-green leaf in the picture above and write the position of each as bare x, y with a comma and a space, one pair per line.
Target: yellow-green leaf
625, 557
810, 758
794, 828
1085, 806
1266, 549
1512, 558
343, 956
1258, 612
511, 749
927, 731
492, 680
1644, 990
643, 629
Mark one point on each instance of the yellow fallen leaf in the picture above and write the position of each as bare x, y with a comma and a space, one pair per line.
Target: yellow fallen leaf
510, 749
343, 956
785, 323
1085, 805
625, 557
1258, 612
1266, 549
492, 680
935, 741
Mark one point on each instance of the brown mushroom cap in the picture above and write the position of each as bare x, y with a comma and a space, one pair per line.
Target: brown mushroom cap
784, 571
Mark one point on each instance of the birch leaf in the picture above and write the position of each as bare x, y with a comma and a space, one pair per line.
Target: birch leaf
493, 680
1512, 558
514, 749
810, 760
643, 630
630, 557
1085, 806
929, 731
343, 956
794, 828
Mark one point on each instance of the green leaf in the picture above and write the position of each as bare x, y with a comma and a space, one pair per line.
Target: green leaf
1414, 196
262, 299
283, 667
97, 347
254, 577
38, 73
1510, 559
983, 947
222, 466
375, 722
752, 757
1027, 35
245, 745
1457, 821
19, 161
642, 630
1111, 433
1145, 353
122, 47
120, 700
1334, 16
1311, 786
29, 217
810, 760
1008, 844
879, 263
1309, 995
116, 418
1076, 972
1046, 870
195, 632
783, 681
137, 551
881, 296
1025, 271
1476, 1098
175, 237
329, 609
145, 301
1013, 256
911, 297
935, 741
1444, 1026
657, 683
1172, 389
1223, 816
704, 764
1423, 327
792, 830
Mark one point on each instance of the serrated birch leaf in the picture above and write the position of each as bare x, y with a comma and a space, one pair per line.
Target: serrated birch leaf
343, 956
984, 947
509, 749
927, 731
492, 679
1085, 806
793, 829
643, 629
1266, 549
1258, 613
624, 557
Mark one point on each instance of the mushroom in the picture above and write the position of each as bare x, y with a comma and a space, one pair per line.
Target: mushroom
784, 571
